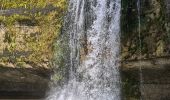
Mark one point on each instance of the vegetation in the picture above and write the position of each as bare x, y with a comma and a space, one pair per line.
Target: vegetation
7, 4
29, 37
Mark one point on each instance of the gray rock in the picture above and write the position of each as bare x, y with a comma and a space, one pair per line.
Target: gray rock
23, 83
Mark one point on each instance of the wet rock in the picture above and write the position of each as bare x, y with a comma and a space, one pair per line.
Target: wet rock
154, 32
23, 83
154, 83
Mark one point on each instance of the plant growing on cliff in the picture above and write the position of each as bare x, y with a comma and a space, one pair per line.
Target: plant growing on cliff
30, 36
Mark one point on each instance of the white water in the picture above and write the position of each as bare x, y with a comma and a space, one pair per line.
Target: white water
94, 75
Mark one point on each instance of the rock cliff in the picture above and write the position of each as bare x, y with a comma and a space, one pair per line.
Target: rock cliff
145, 54
28, 30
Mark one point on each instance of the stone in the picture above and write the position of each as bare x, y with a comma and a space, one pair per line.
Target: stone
25, 83
155, 80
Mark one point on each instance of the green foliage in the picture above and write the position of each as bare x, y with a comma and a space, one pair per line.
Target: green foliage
56, 77
38, 45
6, 4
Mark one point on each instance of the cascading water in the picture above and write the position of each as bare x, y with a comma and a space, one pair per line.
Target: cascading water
140, 49
94, 27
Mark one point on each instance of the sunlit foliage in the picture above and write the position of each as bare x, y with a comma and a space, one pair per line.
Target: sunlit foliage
38, 44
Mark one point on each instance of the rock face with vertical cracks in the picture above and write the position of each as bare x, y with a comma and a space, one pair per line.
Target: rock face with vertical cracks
153, 54
23, 83
154, 30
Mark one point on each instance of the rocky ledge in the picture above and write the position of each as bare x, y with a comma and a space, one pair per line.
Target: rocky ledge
154, 76
21, 83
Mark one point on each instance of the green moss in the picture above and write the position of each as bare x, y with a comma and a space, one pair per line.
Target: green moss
37, 46
7, 4
56, 77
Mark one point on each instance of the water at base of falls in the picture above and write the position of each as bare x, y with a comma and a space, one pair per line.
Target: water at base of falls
94, 27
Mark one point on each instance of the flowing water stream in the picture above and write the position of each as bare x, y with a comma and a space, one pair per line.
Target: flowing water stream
140, 49
94, 31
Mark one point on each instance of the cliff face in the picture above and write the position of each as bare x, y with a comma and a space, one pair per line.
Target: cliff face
147, 50
154, 29
28, 30
168, 8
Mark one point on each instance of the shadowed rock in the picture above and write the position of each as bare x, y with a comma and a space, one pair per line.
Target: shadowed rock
23, 83
155, 78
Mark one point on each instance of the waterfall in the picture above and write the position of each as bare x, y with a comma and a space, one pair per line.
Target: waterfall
94, 30
140, 49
